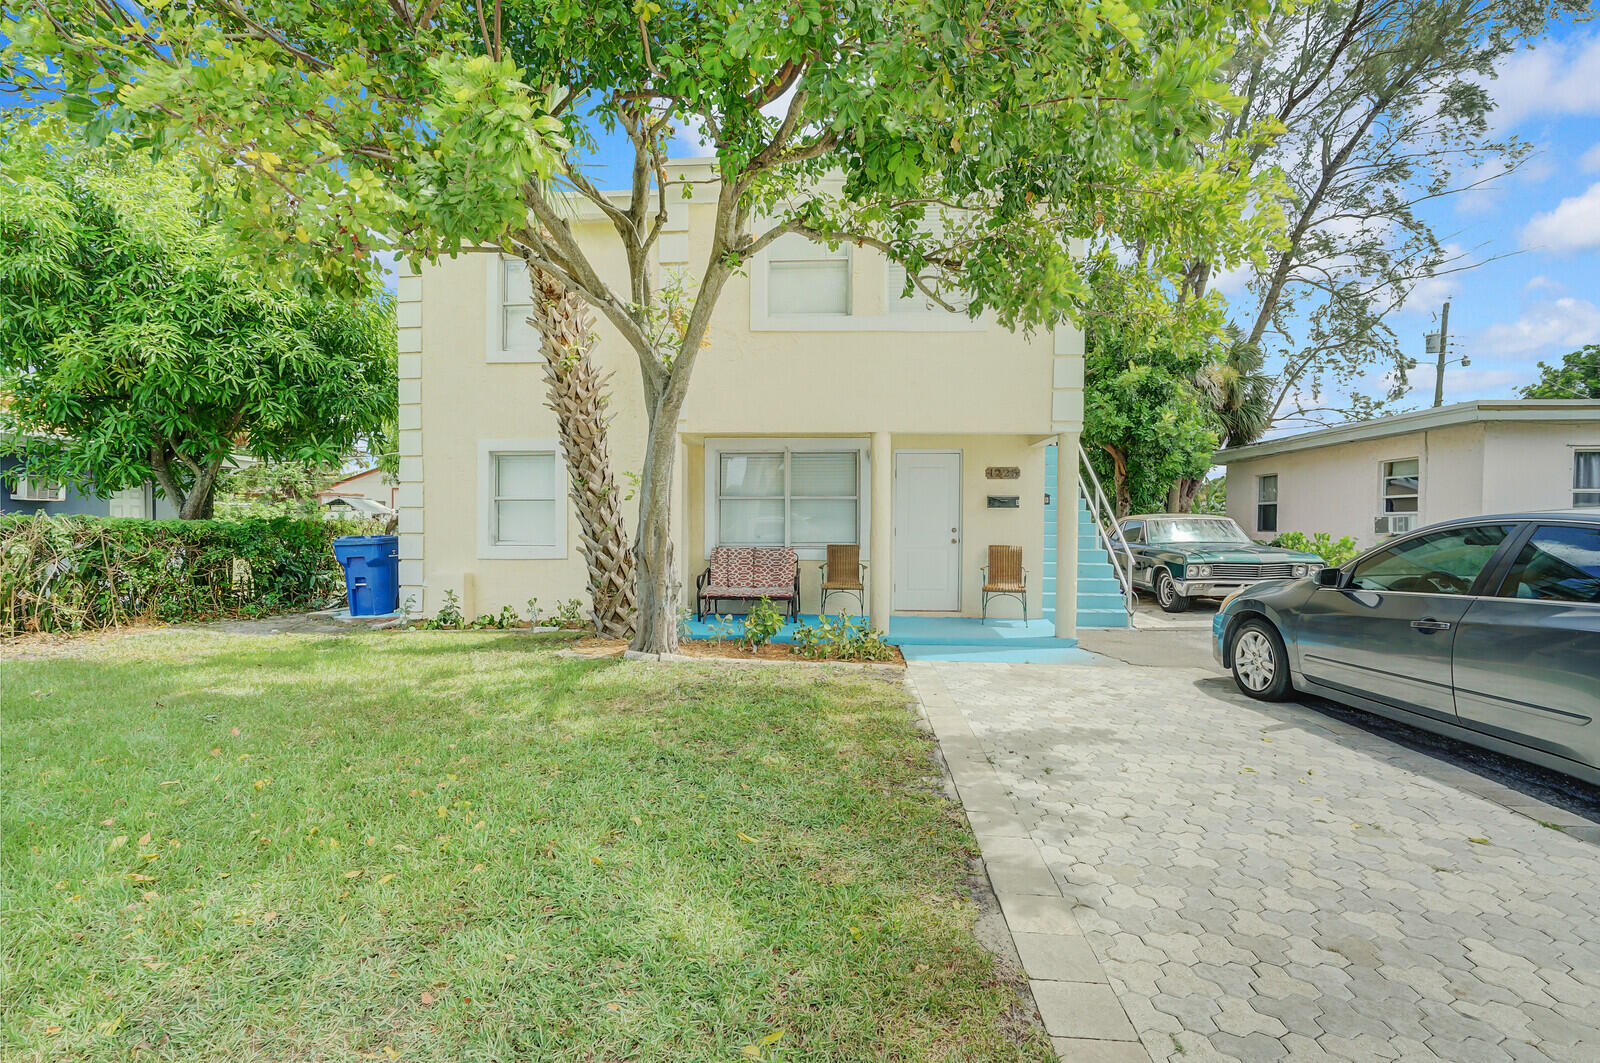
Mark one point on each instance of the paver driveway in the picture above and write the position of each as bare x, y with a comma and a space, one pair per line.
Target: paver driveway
1264, 882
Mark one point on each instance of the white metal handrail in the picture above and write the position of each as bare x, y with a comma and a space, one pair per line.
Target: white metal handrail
1104, 518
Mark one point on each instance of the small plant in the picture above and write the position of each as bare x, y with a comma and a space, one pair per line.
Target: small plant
509, 618
761, 623
449, 615
407, 607
842, 639
684, 630
569, 614
533, 612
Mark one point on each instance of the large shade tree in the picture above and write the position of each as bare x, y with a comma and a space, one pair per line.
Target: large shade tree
965, 140
1385, 108
135, 347
1576, 377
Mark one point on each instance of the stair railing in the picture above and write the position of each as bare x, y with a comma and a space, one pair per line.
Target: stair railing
1104, 519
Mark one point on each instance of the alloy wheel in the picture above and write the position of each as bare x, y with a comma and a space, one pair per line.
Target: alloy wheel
1254, 660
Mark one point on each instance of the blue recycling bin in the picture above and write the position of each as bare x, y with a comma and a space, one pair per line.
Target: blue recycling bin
371, 572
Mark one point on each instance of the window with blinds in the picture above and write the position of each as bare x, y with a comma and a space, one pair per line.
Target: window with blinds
807, 278
1585, 479
516, 304
789, 498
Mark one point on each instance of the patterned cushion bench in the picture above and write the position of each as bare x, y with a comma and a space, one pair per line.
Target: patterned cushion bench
749, 573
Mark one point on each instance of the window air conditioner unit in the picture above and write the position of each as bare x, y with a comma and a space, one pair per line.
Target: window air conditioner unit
33, 492
1393, 523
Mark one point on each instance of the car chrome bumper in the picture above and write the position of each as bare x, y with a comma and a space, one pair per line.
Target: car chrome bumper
1214, 588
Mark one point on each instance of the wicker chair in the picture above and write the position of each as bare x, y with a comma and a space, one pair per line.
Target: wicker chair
1004, 576
843, 573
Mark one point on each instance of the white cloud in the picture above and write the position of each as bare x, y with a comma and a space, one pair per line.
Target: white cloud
1567, 322
1573, 226
1541, 283
1554, 78
1589, 161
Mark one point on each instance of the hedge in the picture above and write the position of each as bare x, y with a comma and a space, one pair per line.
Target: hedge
81, 573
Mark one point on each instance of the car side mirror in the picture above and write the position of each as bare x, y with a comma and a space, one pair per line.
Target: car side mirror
1330, 577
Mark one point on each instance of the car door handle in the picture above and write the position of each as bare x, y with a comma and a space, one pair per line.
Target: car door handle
1428, 623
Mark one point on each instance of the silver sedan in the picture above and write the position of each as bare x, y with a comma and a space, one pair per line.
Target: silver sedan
1486, 629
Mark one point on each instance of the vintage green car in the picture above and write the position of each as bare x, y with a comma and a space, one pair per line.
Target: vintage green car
1180, 556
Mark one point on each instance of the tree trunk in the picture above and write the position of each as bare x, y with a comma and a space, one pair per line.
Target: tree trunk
577, 394
1181, 495
1121, 497
656, 573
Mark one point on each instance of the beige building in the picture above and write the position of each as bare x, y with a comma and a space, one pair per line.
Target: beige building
373, 485
826, 409
1373, 479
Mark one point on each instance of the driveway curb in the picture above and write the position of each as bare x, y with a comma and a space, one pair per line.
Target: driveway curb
1080, 1009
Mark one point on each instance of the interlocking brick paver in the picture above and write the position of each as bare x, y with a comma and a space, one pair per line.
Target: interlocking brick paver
1309, 897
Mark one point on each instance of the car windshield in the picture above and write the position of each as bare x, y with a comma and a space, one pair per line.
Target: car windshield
1195, 530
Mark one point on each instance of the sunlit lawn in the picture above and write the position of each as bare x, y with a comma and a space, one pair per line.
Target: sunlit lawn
463, 847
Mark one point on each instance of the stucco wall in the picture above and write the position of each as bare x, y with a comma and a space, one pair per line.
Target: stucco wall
1529, 466
938, 382
1467, 470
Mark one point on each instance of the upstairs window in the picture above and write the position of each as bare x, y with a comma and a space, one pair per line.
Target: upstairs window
807, 278
918, 301
1267, 503
516, 304
1585, 479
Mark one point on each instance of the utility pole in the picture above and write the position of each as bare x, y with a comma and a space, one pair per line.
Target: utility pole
1444, 352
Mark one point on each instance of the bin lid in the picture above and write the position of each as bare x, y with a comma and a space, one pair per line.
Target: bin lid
366, 540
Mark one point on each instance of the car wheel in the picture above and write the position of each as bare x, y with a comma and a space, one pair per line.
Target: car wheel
1260, 663
1167, 595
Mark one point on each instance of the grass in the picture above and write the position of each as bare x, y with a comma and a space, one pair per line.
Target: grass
463, 847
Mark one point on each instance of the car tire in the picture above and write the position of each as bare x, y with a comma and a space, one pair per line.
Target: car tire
1167, 595
1259, 662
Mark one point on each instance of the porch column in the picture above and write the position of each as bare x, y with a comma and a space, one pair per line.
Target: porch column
680, 521
880, 570
1067, 535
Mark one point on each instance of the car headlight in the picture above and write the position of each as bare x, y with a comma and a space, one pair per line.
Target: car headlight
1298, 571
1199, 570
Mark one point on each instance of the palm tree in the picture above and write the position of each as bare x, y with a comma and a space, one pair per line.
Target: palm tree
577, 394
1240, 397
1239, 393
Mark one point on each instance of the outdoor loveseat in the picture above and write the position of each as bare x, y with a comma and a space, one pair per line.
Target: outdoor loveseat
749, 573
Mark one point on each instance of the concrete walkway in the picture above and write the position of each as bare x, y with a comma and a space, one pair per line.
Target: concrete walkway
1193, 876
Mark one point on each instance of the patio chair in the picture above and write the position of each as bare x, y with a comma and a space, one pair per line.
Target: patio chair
1004, 576
748, 574
843, 573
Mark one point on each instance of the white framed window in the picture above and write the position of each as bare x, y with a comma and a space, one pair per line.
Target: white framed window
918, 301
1267, 503
806, 278
1585, 479
38, 491
1402, 486
522, 511
507, 335
801, 493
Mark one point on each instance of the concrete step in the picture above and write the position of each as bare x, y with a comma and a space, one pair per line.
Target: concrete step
1102, 618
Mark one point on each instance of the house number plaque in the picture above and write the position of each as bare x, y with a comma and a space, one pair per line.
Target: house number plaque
1003, 472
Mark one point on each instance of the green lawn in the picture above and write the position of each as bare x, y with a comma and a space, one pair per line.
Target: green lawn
462, 847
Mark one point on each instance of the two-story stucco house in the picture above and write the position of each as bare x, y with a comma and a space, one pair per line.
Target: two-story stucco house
827, 409
1373, 479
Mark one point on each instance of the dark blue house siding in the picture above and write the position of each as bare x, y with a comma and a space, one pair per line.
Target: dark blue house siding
75, 504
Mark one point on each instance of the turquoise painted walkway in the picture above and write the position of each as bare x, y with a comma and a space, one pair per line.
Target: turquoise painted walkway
940, 638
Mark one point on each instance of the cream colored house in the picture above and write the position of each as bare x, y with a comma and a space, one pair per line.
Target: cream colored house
1373, 479
826, 409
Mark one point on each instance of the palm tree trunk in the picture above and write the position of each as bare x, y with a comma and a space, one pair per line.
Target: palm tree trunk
577, 394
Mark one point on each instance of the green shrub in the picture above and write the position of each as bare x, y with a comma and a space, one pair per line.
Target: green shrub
841, 639
761, 623
1321, 544
83, 573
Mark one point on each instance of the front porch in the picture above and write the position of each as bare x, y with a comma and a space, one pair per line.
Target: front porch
937, 638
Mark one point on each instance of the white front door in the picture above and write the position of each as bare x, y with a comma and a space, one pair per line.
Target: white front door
128, 503
927, 530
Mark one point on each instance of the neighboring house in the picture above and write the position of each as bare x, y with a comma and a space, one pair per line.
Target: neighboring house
1373, 479
59, 500
826, 409
371, 484
340, 506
